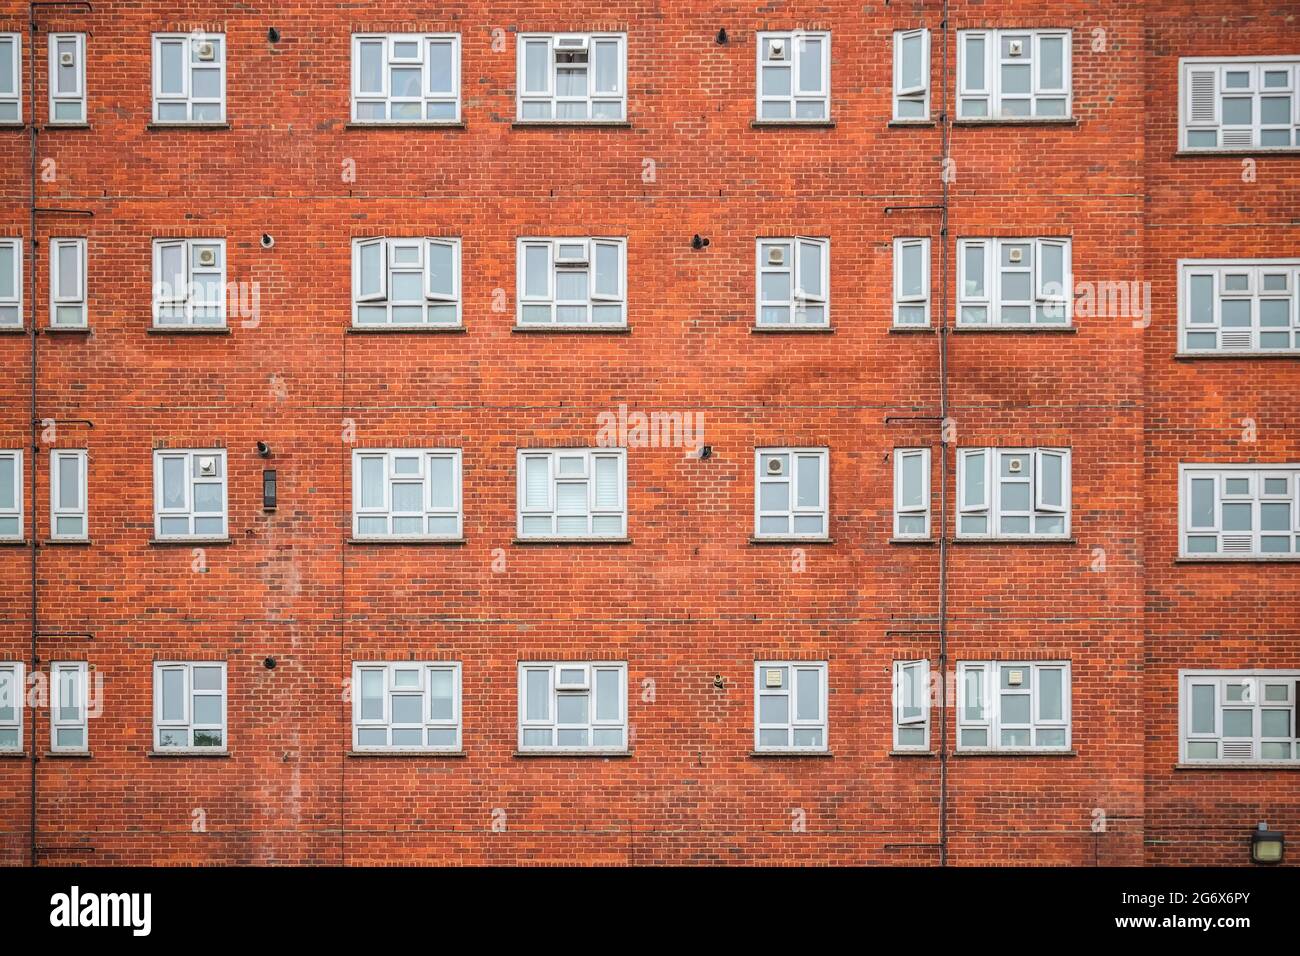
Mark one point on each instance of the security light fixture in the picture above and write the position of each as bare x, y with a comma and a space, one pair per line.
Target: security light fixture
1266, 846
263, 450
718, 681
699, 242
268, 240
273, 35
269, 663
722, 37
706, 452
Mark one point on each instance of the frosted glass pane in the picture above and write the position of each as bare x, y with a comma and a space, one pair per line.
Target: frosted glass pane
69, 482
536, 66
8, 258
810, 65
1275, 723
407, 709
810, 269
1202, 503
8, 487
773, 709
911, 269
605, 57
1050, 695
372, 482
607, 484
571, 708
537, 271
808, 694
911, 492
606, 269
537, 694
440, 67
608, 695
207, 710
173, 694
774, 496
910, 69
441, 483
1051, 63
974, 62
173, 470
1238, 723
1051, 480
974, 480
1201, 306
371, 73
974, 271
171, 67
69, 272
372, 694
809, 481
442, 273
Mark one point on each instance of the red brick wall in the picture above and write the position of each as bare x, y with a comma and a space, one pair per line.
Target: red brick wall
689, 597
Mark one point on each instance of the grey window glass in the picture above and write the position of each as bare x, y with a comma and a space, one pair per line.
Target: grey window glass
171, 62
810, 64
1238, 723
440, 67
975, 491
808, 694
537, 687
372, 482
1050, 698
69, 482
372, 694
912, 491
773, 709
1202, 708
173, 694
442, 274
911, 62
1051, 64
810, 488
536, 66
371, 72
441, 692
1051, 480
173, 482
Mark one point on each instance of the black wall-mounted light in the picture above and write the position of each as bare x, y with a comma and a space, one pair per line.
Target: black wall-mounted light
263, 450
1266, 846
269, 663
268, 490
722, 37
699, 242
267, 240
706, 452
718, 682
273, 35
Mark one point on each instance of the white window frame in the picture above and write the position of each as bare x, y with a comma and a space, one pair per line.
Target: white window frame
58, 722
1042, 297
15, 80
78, 96
994, 721
15, 670
912, 94
1202, 89
1239, 340
1238, 545
794, 44
550, 96
555, 691
800, 298
903, 705
15, 456
82, 458
904, 509
791, 692
991, 92
589, 457
390, 248
425, 457
1255, 684
904, 299
991, 506
78, 299
557, 264
190, 45
384, 95
423, 670
187, 509
187, 723
795, 510
13, 303
188, 298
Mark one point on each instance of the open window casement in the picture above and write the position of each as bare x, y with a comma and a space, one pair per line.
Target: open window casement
171, 284
911, 697
1052, 480
1052, 265
912, 281
572, 677
442, 278
912, 492
607, 282
68, 283
911, 74
810, 278
370, 278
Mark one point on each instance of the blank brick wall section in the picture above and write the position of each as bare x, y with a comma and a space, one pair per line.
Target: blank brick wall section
689, 596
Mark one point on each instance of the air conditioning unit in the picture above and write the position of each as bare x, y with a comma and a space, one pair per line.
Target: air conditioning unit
776, 466
572, 678
207, 466
776, 49
207, 257
1015, 465
776, 255
571, 254
206, 51
67, 59
1015, 255
1015, 47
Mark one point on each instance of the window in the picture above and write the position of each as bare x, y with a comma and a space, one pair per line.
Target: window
11, 495
11, 283
573, 493
11, 78
189, 283
911, 74
1013, 493
911, 705
406, 78
790, 706
68, 495
405, 282
790, 500
911, 493
794, 77
1013, 74
11, 706
189, 494
1234, 512
68, 705
793, 281
408, 705
189, 705
406, 493
1239, 716
1239, 306
573, 705
572, 77
1013, 706
912, 282
1239, 103
1014, 282
572, 282
68, 283
189, 78
67, 78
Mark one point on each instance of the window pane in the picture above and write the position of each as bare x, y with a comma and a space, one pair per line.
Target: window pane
911, 270
607, 695
974, 61
910, 69
571, 708
1238, 723
607, 485
974, 479
537, 261
372, 482
606, 66
536, 65
1051, 66
1015, 709
607, 283
1202, 708
171, 66
69, 271
440, 67
1050, 694
69, 482
810, 269
808, 694
173, 694
974, 271
773, 709
537, 684
809, 481
173, 482
1051, 480
442, 273
8, 256
810, 65
372, 694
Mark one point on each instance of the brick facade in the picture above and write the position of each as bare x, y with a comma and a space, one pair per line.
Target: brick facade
689, 596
